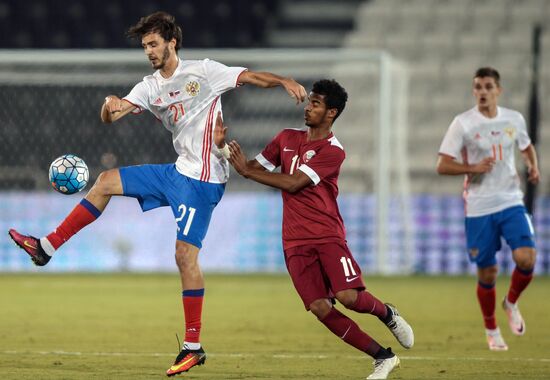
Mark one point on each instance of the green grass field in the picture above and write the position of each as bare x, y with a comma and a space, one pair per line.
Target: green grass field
254, 327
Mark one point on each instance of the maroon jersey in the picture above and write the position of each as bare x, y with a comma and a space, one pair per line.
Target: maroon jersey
310, 216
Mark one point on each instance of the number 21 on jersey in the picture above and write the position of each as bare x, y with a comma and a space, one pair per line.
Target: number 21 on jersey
183, 213
177, 111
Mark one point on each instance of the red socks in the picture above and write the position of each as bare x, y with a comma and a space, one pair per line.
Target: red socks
83, 214
192, 308
486, 295
349, 332
367, 303
520, 280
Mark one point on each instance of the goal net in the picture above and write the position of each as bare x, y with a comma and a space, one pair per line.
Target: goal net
51, 102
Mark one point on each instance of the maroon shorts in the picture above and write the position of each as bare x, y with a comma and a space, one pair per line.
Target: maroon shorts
321, 270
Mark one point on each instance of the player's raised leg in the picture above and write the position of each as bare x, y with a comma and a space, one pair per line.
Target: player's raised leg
347, 330
192, 282
521, 277
362, 301
87, 211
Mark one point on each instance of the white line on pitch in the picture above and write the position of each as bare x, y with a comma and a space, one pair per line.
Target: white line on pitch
278, 356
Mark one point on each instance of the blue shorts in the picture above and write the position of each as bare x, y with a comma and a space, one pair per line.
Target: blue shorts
192, 201
483, 234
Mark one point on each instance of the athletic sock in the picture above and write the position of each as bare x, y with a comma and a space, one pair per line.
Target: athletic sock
191, 346
367, 303
486, 295
83, 214
384, 353
192, 309
520, 279
347, 330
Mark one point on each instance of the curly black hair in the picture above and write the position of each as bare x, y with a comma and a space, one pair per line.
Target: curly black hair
159, 22
335, 95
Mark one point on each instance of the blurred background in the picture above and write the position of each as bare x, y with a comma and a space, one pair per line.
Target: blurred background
407, 65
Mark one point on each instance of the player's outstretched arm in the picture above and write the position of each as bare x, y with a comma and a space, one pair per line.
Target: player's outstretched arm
447, 165
115, 108
266, 80
530, 158
255, 171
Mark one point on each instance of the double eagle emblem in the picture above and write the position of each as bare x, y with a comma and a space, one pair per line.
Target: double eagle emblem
192, 88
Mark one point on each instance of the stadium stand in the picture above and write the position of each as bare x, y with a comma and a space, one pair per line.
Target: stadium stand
444, 42
84, 24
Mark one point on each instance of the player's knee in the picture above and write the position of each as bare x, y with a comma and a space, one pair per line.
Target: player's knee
347, 297
488, 275
185, 259
182, 260
320, 308
525, 259
106, 181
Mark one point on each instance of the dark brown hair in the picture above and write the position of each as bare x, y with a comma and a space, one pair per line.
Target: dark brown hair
159, 22
488, 72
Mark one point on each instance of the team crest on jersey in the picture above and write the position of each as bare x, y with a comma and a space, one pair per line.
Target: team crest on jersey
193, 88
308, 156
510, 131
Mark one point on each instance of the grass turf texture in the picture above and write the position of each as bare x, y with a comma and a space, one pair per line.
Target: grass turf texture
254, 327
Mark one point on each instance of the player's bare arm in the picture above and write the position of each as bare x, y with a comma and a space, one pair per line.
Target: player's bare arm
254, 171
529, 155
115, 108
266, 80
447, 165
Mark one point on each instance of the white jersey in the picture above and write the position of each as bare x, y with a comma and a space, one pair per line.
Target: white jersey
187, 104
474, 137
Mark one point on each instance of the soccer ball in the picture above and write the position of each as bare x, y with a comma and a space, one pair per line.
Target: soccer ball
69, 174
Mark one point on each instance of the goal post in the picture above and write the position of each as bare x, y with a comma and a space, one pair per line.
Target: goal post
52, 100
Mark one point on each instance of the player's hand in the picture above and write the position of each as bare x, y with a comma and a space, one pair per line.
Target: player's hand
219, 131
113, 104
295, 90
484, 166
238, 158
534, 175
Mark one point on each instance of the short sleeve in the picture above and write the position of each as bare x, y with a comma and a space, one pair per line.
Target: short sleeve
453, 141
325, 163
523, 140
270, 157
139, 97
221, 77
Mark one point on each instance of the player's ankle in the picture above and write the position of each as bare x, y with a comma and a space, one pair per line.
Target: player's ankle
47, 246
389, 314
384, 353
192, 345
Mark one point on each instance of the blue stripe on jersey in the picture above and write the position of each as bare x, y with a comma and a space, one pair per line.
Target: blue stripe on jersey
90, 207
193, 293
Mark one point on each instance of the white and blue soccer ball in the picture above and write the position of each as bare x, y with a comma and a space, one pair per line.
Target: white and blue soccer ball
69, 174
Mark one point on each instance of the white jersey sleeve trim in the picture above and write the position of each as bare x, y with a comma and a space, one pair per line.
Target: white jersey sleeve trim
264, 162
310, 173
135, 111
